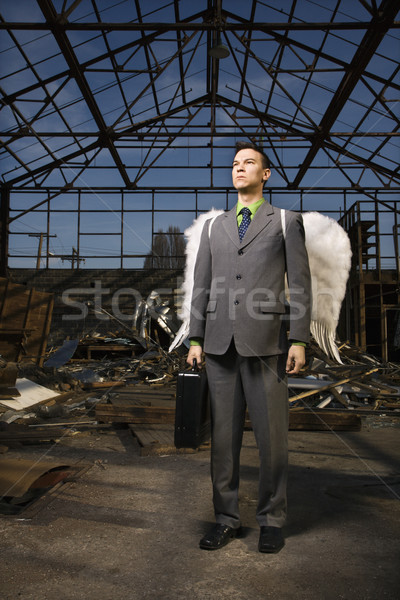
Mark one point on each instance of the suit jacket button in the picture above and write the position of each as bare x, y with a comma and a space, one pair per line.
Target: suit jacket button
236, 302
238, 277
240, 252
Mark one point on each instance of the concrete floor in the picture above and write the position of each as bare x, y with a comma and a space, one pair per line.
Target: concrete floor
129, 527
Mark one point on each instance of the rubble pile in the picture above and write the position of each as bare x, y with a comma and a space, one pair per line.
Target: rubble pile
129, 377
362, 382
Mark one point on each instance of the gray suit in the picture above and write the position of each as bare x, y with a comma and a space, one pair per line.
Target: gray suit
238, 307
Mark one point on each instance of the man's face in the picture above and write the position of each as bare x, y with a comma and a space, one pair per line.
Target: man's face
248, 173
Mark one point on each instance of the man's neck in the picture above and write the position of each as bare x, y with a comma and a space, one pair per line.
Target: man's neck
250, 198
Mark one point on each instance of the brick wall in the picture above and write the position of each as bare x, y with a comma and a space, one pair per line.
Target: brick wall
116, 292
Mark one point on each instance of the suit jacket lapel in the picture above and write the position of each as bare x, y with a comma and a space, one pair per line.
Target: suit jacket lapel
261, 219
231, 228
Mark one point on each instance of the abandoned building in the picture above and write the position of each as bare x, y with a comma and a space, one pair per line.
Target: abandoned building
119, 120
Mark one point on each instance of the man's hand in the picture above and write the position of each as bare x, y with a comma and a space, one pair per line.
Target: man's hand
296, 359
194, 352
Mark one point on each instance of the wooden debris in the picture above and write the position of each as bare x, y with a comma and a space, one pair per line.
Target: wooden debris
15, 435
110, 413
323, 420
25, 319
88, 351
156, 439
134, 383
330, 385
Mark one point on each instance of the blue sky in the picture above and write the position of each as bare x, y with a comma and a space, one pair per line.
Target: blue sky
126, 101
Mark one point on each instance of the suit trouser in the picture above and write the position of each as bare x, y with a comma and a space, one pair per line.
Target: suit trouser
261, 383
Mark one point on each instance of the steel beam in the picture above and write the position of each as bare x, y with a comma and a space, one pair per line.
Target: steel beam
192, 26
51, 17
378, 28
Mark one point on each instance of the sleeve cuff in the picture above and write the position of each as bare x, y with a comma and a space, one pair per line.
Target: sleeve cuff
196, 341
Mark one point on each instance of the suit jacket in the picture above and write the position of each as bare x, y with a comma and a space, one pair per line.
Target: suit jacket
239, 287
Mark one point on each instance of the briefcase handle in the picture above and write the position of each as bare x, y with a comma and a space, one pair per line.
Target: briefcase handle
195, 367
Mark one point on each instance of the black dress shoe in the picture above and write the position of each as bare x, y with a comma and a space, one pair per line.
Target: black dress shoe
218, 537
271, 539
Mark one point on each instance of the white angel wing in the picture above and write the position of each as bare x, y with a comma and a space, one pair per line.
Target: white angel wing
193, 235
329, 256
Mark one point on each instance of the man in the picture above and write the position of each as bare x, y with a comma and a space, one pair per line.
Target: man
238, 317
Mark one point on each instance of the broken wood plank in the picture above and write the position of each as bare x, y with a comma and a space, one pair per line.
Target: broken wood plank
156, 439
302, 418
94, 385
50, 434
153, 392
157, 433
134, 414
118, 401
323, 420
134, 395
377, 388
339, 397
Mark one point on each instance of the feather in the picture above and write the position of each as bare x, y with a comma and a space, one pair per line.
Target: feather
193, 236
329, 256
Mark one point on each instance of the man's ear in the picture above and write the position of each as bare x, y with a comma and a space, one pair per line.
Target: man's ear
267, 174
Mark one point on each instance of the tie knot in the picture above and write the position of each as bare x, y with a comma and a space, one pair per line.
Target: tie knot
245, 211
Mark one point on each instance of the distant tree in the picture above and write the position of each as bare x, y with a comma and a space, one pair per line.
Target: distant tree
168, 250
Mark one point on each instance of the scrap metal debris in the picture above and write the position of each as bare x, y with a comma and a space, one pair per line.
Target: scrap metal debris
127, 376
24, 482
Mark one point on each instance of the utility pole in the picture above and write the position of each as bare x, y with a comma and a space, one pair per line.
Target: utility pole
40, 236
74, 258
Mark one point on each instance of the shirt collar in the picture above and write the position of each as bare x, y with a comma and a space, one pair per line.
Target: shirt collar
252, 207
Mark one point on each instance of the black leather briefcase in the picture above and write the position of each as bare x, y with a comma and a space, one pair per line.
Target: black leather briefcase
192, 414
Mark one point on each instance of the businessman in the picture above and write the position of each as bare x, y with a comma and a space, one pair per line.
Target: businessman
239, 319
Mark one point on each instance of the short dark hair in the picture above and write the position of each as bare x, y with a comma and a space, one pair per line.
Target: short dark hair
250, 145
